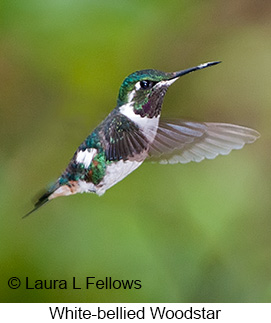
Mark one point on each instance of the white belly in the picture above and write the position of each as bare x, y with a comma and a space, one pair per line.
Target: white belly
116, 172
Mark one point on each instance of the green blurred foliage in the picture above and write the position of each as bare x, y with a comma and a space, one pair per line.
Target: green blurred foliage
190, 233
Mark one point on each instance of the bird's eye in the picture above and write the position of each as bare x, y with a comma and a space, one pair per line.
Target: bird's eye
146, 84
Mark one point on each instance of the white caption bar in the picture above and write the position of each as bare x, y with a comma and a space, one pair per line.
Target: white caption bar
136, 312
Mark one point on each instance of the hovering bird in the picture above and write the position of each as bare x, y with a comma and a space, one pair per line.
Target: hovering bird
134, 131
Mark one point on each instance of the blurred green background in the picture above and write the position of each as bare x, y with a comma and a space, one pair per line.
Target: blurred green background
190, 233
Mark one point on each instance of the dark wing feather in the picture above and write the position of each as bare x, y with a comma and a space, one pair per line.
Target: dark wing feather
179, 141
123, 139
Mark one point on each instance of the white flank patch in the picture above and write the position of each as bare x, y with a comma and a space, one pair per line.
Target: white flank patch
116, 172
147, 125
85, 157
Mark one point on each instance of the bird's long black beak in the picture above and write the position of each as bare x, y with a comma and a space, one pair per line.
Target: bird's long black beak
192, 69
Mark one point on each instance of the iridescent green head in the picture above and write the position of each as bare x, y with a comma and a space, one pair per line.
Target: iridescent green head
148, 87
139, 85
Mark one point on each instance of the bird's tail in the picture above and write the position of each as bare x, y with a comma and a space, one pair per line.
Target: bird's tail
43, 199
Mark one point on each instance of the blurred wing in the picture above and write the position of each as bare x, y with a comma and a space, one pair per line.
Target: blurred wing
179, 141
124, 140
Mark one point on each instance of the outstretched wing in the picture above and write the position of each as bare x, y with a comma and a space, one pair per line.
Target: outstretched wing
179, 141
123, 139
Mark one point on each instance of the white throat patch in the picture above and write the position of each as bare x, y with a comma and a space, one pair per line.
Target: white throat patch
148, 126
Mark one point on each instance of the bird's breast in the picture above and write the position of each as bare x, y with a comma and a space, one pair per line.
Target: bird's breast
147, 125
115, 172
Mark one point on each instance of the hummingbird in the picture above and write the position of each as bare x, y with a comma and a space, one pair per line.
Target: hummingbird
134, 132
